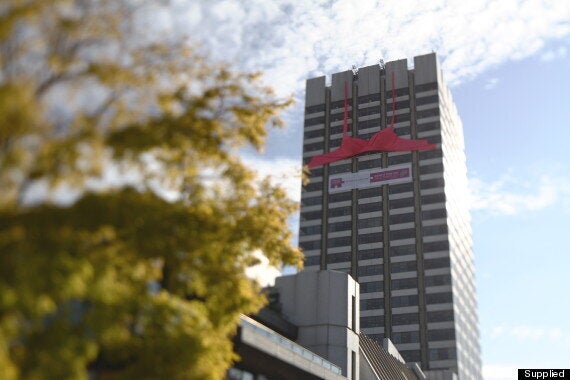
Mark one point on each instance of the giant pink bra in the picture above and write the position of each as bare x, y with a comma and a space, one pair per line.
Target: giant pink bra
385, 140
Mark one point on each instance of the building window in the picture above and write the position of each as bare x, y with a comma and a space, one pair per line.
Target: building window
432, 183
402, 188
401, 218
310, 245
439, 335
313, 186
435, 168
368, 98
362, 125
369, 164
370, 270
434, 214
341, 257
371, 287
340, 211
344, 168
399, 159
404, 266
411, 355
340, 226
370, 238
312, 260
406, 337
314, 121
440, 280
373, 321
312, 147
311, 215
405, 319
367, 254
310, 230
313, 134
427, 100
403, 301
400, 203
434, 230
426, 87
369, 207
369, 193
403, 234
371, 304
340, 241
403, 250
404, 283
439, 298
442, 262
370, 222
314, 109
436, 246
442, 354
428, 113
440, 316
340, 197
312, 201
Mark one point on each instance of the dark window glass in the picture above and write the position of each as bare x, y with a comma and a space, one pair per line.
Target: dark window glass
431, 183
316, 172
377, 337
400, 159
371, 304
435, 153
369, 164
372, 321
411, 356
442, 262
368, 98
406, 337
369, 193
426, 87
368, 111
431, 126
405, 319
313, 109
312, 134
401, 218
370, 238
403, 301
400, 104
338, 257
340, 103
434, 168
370, 207
365, 124
313, 146
310, 245
440, 316
404, 266
340, 197
340, 241
403, 130
311, 201
313, 186
371, 287
405, 283
337, 129
436, 246
311, 215
400, 203
433, 198
314, 121
310, 230
442, 354
340, 116
434, 230
344, 168
370, 222
438, 298
366, 254
427, 113
403, 250
370, 270
335, 143
401, 188
399, 92
312, 260
340, 211
445, 334
403, 234
366, 136
427, 100
399, 118
340, 226
442, 279
434, 139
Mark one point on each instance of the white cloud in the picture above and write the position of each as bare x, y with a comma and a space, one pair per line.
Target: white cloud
499, 372
263, 273
293, 40
511, 195
491, 83
551, 55
283, 171
527, 333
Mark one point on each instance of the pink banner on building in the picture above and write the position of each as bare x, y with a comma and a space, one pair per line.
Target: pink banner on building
370, 178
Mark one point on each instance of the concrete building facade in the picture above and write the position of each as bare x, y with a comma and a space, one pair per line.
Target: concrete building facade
407, 244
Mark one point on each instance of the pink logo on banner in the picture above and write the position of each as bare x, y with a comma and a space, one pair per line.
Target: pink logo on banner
336, 183
389, 175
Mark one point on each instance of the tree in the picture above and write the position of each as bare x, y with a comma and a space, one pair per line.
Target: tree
141, 271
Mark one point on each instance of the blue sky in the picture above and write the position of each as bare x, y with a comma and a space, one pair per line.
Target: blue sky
507, 64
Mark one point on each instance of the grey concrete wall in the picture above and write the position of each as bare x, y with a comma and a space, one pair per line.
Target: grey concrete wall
369, 80
337, 85
400, 70
320, 304
315, 91
426, 69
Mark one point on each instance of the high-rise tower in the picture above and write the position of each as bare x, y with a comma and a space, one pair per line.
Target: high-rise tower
398, 222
